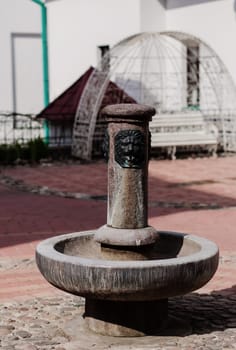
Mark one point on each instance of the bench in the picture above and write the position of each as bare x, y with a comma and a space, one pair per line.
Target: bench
182, 129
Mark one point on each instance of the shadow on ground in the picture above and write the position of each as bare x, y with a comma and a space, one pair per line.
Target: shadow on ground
27, 216
206, 313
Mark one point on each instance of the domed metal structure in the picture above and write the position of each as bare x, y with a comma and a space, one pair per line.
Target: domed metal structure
171, 71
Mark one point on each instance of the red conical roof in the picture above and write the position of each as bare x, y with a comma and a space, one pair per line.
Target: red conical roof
64, 106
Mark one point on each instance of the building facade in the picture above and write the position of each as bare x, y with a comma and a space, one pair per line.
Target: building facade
79, 32
77, 28
21, 86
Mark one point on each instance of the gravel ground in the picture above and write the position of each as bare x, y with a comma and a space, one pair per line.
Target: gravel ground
57, 323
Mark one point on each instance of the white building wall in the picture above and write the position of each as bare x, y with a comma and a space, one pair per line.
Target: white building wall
77, 27
213, 21
21, 86
153, 15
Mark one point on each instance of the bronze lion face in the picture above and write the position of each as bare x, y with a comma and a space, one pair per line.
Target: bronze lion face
130, 148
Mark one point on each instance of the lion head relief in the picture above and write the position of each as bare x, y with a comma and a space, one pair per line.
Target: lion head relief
130, 148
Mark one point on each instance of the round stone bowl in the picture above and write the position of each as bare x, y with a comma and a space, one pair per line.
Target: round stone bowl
174, 265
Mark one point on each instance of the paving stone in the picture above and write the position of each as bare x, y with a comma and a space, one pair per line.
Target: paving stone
53, 335
26, 347
23, 334
4, 330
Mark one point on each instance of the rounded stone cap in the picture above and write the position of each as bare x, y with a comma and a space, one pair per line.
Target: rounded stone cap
129, 111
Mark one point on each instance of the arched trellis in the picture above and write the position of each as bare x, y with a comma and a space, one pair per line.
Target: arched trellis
172, 71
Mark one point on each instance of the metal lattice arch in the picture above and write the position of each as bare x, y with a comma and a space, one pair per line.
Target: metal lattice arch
171, 71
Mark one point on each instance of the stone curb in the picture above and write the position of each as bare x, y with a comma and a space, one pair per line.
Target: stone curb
46, 191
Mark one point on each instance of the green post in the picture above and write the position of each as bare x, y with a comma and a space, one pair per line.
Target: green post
45, 61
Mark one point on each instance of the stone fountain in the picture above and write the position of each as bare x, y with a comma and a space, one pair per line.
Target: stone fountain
127, 270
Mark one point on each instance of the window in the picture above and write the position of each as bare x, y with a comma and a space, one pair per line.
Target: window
104, 57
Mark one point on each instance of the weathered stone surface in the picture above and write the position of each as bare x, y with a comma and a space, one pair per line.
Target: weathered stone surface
129, 111
67, 260
126, 237
127, 165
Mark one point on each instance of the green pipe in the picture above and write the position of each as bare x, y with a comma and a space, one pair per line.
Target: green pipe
45, 61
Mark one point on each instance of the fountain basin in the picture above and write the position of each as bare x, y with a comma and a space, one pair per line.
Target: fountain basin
174, 265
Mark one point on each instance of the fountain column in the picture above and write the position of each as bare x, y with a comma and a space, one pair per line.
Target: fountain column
126, 146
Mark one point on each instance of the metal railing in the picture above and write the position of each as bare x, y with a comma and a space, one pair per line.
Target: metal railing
19, 128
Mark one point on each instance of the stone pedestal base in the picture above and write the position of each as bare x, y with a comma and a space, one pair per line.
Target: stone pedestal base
126, 237
126, 319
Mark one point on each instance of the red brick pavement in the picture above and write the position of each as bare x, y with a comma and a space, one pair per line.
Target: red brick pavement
27, 218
